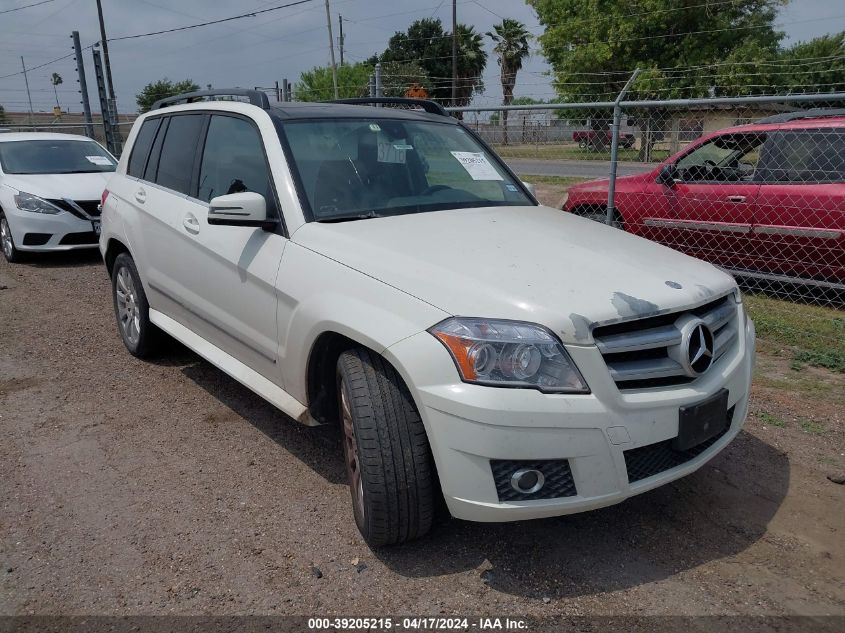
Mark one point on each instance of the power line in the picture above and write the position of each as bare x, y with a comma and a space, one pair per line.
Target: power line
251, 14
26, 6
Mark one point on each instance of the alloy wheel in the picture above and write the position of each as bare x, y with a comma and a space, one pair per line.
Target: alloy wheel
6, 238
350, 453
127, 306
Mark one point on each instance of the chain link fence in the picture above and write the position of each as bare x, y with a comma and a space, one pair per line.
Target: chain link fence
755, 185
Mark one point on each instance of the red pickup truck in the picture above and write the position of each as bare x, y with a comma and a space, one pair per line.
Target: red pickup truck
600, 139
766, 198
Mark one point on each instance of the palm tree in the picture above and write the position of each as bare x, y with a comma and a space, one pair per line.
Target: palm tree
472, 58
511, 39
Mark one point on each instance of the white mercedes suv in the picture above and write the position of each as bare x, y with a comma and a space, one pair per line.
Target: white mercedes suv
380, 268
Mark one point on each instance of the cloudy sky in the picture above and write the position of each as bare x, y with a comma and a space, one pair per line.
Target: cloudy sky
257, 51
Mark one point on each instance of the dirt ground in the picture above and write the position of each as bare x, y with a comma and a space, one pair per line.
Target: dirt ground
132, 487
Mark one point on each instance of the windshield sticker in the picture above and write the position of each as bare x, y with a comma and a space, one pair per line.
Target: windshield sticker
98, 160
511, 188
391, 153
477, 165
375, 127
403, 146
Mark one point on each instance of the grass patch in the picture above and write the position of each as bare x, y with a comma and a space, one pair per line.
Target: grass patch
771, 420
572, 152
811, 426
560, 181
816, 335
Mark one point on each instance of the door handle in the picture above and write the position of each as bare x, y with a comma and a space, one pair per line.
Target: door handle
140, 196
736, 198
191, 224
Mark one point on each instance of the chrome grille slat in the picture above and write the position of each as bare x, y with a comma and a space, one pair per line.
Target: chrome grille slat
644, 352
644, 369
644, 339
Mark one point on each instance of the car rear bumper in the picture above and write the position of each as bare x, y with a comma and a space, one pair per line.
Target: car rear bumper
469, 426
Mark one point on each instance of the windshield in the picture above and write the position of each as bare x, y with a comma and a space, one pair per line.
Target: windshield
353, 168
54, 157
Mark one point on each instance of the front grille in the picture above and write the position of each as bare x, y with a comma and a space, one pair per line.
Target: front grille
90, 208
76, 239
647, 461
559, 482
36, 239
639, 353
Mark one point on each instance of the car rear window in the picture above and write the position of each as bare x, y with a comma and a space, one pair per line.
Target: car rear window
180, 146
141, 148
806, 156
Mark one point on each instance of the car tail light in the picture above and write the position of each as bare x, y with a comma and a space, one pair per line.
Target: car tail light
103, 197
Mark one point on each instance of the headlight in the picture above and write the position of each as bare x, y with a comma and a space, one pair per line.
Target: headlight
34, 204
509, 354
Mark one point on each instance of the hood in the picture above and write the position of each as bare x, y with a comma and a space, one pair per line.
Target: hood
56, 186
601, 185
527, 263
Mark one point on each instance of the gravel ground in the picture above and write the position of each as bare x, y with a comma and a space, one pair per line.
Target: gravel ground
133, 487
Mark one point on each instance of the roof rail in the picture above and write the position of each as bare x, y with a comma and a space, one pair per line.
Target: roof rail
812, 113
424, 104
256, 97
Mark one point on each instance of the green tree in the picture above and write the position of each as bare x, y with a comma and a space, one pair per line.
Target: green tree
511, 49
160, 89
684, 48
426, 43
398, 77
823, 70
317, 85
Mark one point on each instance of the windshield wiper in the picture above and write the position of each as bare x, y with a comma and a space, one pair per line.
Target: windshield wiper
349, 218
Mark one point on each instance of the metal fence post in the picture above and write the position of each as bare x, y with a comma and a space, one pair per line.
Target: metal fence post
614, 147
83, 85
379, 88
372, 85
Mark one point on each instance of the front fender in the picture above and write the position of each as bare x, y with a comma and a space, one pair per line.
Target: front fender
318, 295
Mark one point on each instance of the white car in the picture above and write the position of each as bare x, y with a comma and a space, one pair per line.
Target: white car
383, 270
50, 191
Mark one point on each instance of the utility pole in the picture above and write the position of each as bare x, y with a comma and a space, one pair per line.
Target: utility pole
331, 48
340, 37
112, 113
28, 96
454, 51
83, 85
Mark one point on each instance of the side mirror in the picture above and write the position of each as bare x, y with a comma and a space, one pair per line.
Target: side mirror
240, 209
667, 175
530, 188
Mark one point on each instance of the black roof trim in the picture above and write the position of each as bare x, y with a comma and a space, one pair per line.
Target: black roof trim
424, 104
256, 97
812, 113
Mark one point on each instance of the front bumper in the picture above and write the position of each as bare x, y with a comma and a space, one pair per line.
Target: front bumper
66, 231
470, 425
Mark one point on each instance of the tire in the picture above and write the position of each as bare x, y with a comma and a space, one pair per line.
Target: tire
131, 309
7, 242
386, 451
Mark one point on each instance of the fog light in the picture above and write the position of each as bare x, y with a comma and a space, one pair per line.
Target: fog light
527, 481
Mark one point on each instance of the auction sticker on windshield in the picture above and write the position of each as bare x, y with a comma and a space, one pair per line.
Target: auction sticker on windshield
477, 165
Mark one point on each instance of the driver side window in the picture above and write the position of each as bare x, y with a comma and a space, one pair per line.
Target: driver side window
726, 158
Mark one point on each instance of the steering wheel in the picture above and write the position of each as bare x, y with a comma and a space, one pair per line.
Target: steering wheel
434, 188
710, 166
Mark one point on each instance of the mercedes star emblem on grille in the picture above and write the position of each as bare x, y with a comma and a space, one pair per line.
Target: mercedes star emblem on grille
699, 349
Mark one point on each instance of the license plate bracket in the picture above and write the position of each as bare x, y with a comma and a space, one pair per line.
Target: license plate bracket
701, 421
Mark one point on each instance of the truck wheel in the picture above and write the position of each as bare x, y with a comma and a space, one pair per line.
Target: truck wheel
131, 309
388, 460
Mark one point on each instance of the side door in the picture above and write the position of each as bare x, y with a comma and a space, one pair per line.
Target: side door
714, 197
799, 226
228, 273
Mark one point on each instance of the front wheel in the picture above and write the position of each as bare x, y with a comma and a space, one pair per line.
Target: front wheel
388, 460
132, 310
10, 252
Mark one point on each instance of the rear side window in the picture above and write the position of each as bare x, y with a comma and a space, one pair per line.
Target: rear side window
141, 148
233, 160
806, 156
176, 163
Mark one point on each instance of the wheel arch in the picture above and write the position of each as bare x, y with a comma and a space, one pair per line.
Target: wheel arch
114, 248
